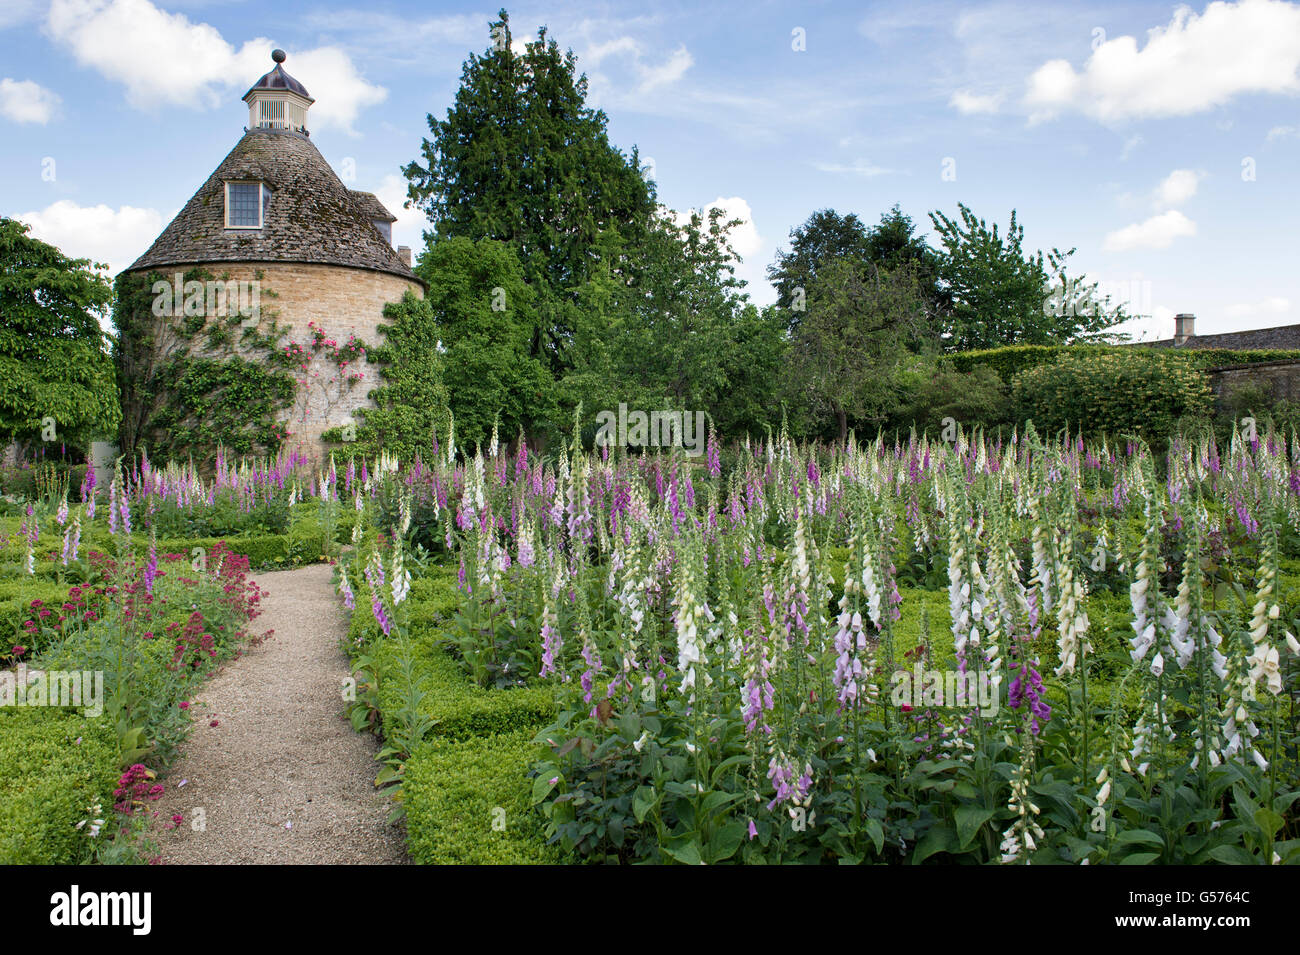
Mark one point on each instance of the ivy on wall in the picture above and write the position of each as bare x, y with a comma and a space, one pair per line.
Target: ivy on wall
191, 383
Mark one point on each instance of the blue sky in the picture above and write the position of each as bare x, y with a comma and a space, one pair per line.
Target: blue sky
1161, 141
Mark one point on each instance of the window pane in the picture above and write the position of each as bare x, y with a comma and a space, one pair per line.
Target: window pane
243, 204
385, 229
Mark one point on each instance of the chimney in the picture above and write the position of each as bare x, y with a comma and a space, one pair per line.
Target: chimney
404, 253
1184, 327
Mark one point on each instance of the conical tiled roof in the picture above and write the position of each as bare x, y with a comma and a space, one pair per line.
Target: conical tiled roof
311, 216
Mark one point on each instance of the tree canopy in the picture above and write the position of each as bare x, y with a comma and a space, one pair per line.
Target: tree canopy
521, 158
56, 375
1001, 295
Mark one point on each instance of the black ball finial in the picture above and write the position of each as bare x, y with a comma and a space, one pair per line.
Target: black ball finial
278, 56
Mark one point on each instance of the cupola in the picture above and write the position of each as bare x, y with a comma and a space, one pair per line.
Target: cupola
277, 100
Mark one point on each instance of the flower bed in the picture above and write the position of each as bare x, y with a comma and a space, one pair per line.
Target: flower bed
95, 696
772, 665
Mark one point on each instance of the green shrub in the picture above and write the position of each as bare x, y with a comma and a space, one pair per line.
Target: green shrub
454, 793
16, 596
1138, 390
54, 765
977, 397
458, 707
262, 550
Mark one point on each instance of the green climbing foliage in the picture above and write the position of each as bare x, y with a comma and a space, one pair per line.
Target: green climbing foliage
193, 383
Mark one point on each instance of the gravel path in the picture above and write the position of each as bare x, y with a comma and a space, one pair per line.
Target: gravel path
282, 779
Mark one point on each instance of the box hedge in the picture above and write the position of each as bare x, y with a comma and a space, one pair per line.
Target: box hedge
469, 802
262, 550
471, 771
458, 707
54, 765
16, 596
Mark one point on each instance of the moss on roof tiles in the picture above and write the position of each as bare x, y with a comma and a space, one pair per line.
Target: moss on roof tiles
311, 217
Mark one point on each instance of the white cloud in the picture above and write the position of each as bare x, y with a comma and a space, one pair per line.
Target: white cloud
1158, 232
964, 101
1193, 64
859, 167
340, 92
1130, 144
162, 59
1275, 305
14, 12
99, 233
26, 102
1281, 132
753, 249
402, 38
669, 71
1176, 188
744, 237
596, 52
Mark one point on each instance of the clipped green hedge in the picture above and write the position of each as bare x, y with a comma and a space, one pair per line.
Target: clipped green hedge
16, 596
1010, 360
1144, 391
48, 780
302, 545
458, 707
262, 550
479, 751
454, 793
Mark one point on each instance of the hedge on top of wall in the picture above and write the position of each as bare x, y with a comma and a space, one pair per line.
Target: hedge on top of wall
1013, 359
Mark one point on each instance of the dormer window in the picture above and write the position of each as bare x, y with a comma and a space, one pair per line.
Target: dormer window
385, 229
246, 204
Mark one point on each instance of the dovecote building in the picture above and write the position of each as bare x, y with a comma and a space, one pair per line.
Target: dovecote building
275, 213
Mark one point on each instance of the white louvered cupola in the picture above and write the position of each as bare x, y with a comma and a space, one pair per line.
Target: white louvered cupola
277, 100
